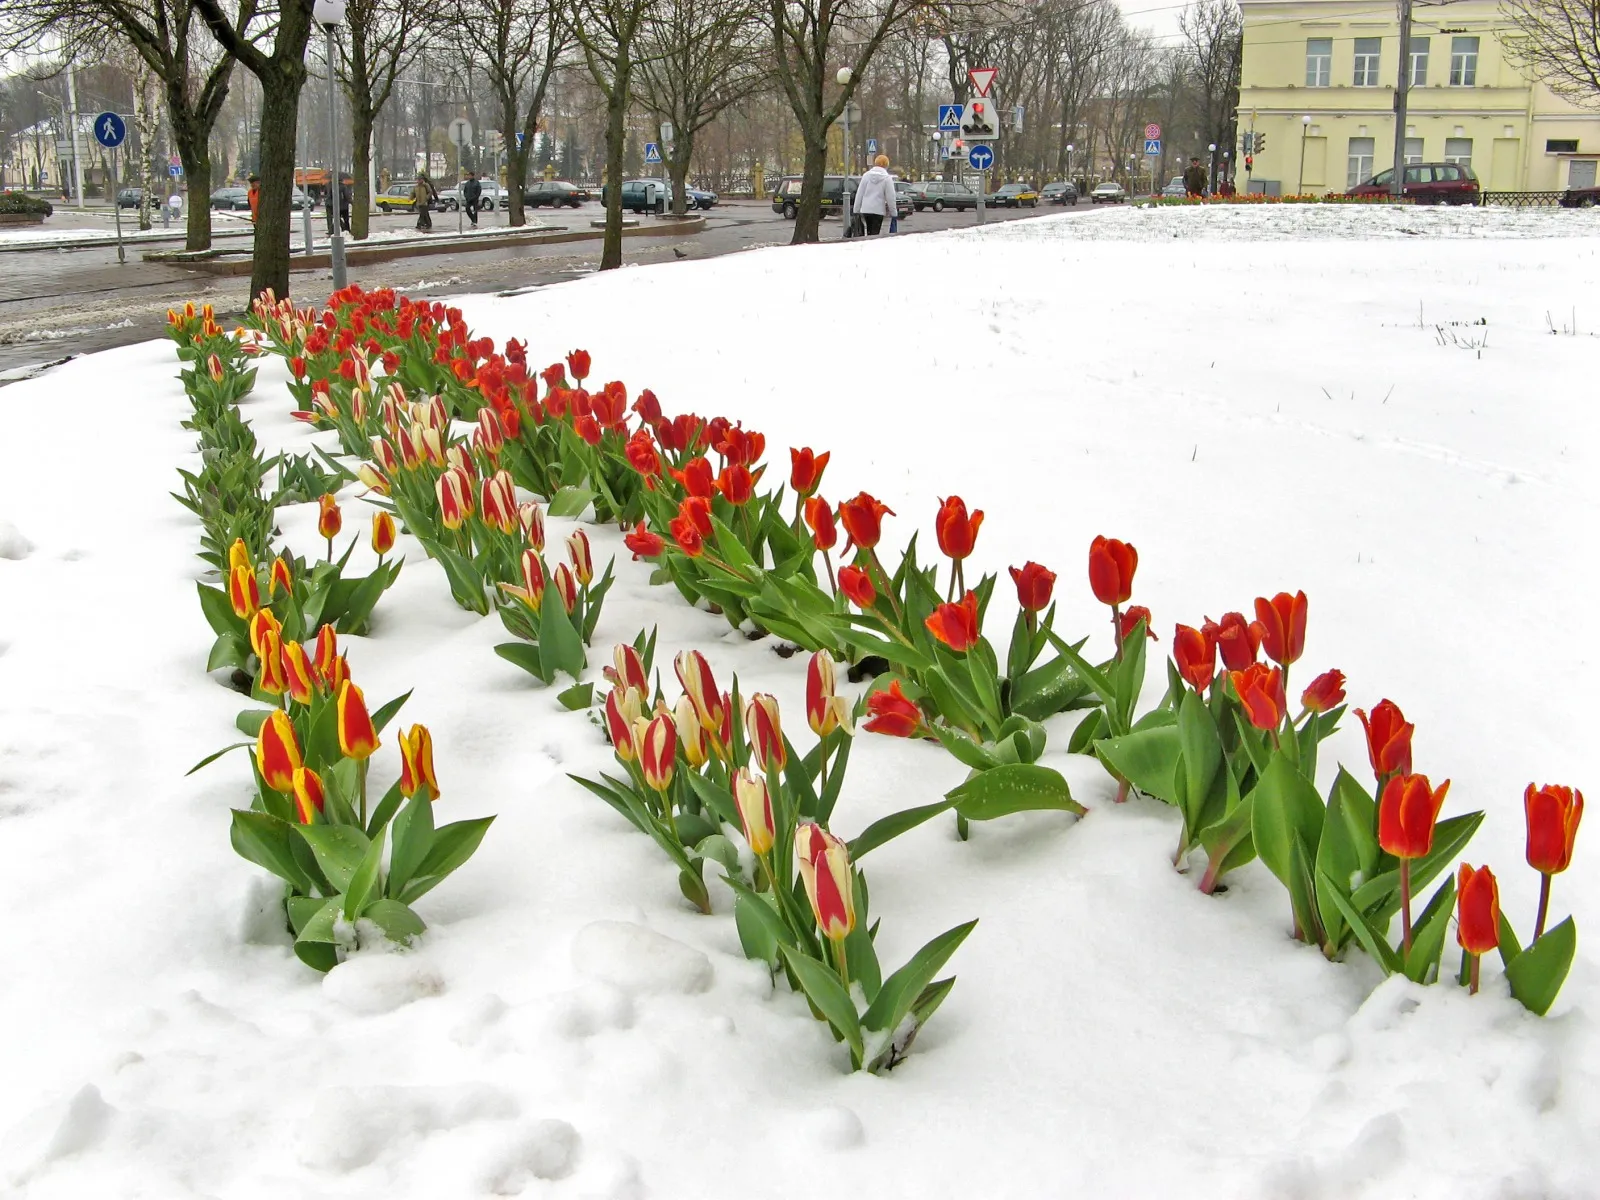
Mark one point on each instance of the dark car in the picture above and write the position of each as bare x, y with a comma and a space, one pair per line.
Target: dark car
639, 195
1580, 197
231, 199
701, 199
1016, 195
556, 193
940, 194
397, 197
1059, 192
133, 197
1427, 183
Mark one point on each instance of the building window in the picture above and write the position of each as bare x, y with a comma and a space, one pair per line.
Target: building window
1561, 146
1464, 62
1319, 62
1413, 150
1358, 167
1458, 151
1419, 62
1367, 51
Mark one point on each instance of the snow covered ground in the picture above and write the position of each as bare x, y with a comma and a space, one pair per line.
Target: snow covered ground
1254, 412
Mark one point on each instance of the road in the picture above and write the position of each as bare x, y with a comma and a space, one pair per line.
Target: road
59, 303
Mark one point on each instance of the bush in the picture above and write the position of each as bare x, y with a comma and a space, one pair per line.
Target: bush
12, 203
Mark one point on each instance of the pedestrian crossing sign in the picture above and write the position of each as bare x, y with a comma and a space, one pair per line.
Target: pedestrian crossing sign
949, 118
652, 152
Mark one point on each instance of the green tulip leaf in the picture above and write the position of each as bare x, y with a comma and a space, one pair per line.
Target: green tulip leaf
1013, 788
1536, 975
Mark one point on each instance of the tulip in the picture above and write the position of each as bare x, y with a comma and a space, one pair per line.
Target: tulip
627, 669
578, 362
826, 710
697, 510
1283, 626
531, 517
271, 679
891, 712
416, 763
658, 751
309, 796
765, 731
382, 532
819, 518
277, 751
338, 673
691, 734
957, 532
610, 405
1195, 652
1260, 692
862, 519
1477, 915
588, 429
1325, 692
238, 555
410, 454
434, 414
825, 871
1131, 619
742, 447
1553, 813
736, 485
1407, 810
262, 623
642, 456
499, 505
1237, 640
1111, 567
1034, 585
531, 593
856, 584
582, 557
329, 519
566, 586
686, 533
430, 444
214, 366
280, 576
327, 651
244, 593
298, 677
357, 738
643, 543
696, 478
455, 499
805, 470
694, 672
622, 710
755, 811
490, 434
375, 479
956, 625
1388, 740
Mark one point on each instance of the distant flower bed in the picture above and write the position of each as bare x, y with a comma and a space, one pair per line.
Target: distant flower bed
1259, 198
14, 204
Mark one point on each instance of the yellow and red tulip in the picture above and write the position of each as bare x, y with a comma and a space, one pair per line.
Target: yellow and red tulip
263, 622
309, 795
327, 651
281, 577
765, 731
582, 557
382, 532
329, 519
244, 593
357, 737
755, 810
627, 669
658, 751
238, 555
825, 709
531, 592
375, 479
691, 734
825, 871
694, 672
278, 751
566, 586
298, 677
622, 712
531, 517
271, 678
455, 499
416, 763
500, 502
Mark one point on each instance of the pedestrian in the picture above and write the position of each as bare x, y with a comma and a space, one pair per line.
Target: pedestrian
875, 196
1194, 179
255, 196
346, 198
422, 198
471, 191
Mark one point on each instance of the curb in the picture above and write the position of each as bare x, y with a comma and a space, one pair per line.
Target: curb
101, 242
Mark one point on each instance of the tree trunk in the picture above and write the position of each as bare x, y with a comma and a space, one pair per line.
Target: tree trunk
361, 119
678, 172
808, 216
146, 116
280, 102
616, 146
516, 161
194, 152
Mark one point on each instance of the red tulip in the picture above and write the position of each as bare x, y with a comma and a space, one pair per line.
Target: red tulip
805, 470
1283, 626
1388, 739
825, 871
610, 405
643, 543
1553, 813
1407, 810
329, 519
1237, 640
648, 407
1131, 619
890, 712
755, 810
588, 429
956, 625
735, 484
1260, 691
862, 519
765, 731
696, 477
856, 584
1034, 585
1325, 692
658, 751
741, 447
578, 363
641, 454
357, 737
687, 535
957, 532
819, 517
1195, 652
1478, 912
1111, 567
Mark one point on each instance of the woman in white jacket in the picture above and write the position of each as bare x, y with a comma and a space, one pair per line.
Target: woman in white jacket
875, 195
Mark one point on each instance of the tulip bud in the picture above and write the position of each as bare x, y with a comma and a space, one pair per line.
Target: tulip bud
1111, 567
270, 653
277, 751
1325, 692
281, 577
1388, 739
382, 532
755, 810
578, 363
765, 731
430, 444
825, 871
375, 479
214, 366
238, 555
455, 499
582, 557
956, 531
490, 434
658, 750
357, 737
435, 414
1552, 813
1131, 618
329, 519
1407, 810
1195, 652
1283, 626
244, 593
862, 519
298, 678
262, 623
627, 669
805, 470
531, 517
1034, 585
622, 712
566, 587
691, 734
531, 593
1478, 914
819, 519
309, 796
694, 672
327, 651
416, 764
825, 710
500, 502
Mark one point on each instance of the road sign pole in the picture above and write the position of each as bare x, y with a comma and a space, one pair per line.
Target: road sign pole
981, 176
116, 204
335, 182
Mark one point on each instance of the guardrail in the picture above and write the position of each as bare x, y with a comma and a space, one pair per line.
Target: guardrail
1524, 199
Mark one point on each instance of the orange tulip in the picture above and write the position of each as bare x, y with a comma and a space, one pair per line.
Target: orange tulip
1325, 692
893, 713
1388, 739
819, 518
862, 519
1195, 652
856, 584
1283, 626
1034, 585
1478, 914
357, 737
1238, 641
1111, 567
329, 519
1407, 810
1553, 813
805, 470
956, 625
957, 532
1260, 692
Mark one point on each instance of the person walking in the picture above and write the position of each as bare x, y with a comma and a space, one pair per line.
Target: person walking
471, 193
255, 196
1194, 179
422, 198
347, 195
875, 196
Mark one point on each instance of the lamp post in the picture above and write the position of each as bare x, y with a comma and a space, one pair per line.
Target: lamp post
1069, 166
1305, 128
1212, 178
330, 15
844, 76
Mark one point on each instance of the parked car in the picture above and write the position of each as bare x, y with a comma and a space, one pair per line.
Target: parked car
397, 197
940, 194
1427, 183
1582, 197
701, 199
786, 197
1175, 187
1015, 195
557, 193
902, 197
133, 197
1059, 192
231, 199
1107, 193
492, 196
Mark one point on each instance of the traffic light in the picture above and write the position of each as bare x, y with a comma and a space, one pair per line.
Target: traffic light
1249, 162
1261, 142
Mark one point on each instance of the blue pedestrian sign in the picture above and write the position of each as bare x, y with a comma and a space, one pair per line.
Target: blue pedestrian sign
872, 145
1152, 147
981, 157
110, 130
652, 152
949, 118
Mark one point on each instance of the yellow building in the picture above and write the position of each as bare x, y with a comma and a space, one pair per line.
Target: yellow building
1318, 82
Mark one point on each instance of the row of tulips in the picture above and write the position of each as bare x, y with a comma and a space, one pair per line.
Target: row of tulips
1223, 749
351, 869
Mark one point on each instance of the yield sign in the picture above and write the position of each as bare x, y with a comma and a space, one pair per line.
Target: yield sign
982, 79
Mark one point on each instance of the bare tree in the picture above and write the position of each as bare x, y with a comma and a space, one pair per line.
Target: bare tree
699, 57
1213, 31
610, 32
384, 37
1558, 41
146, 123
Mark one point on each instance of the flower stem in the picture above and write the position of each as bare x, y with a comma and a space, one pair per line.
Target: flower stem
330, 549
888, 588
1405, 905
841, 961
827, 561
1116, 629
1477, 962
1544, 906
362, 774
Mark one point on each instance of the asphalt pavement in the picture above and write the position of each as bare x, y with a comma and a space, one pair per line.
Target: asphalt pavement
58, 303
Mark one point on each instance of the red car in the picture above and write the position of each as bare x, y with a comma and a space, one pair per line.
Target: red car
1427, 183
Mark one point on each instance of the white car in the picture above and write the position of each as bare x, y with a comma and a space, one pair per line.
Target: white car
1107, 193
492, 197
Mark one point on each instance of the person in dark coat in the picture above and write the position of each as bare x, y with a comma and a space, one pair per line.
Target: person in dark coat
1194, 179
471, 193
347, 195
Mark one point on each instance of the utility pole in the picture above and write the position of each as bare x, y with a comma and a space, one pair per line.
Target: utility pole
1401, 90
72, 126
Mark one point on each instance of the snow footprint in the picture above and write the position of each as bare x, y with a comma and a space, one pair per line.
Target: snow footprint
351, 1127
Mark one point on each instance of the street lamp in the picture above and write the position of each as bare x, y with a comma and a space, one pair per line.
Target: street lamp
330, 15
844, 77
1305, 128
1212, 150
1069, 162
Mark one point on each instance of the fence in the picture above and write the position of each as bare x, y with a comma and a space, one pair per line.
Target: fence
1524, 199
